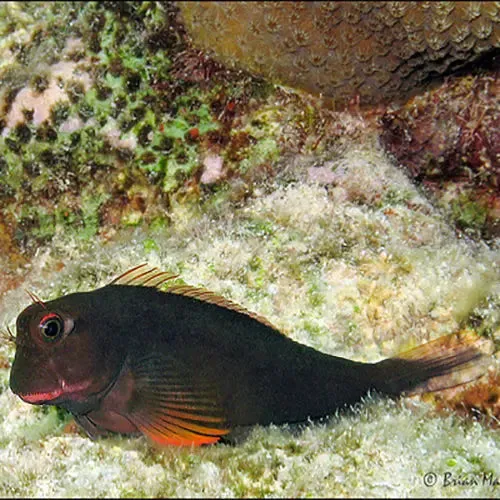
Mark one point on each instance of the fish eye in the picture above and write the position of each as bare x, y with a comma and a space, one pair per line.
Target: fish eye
51, 326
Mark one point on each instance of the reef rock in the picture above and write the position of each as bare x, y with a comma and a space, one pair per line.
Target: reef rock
449, 140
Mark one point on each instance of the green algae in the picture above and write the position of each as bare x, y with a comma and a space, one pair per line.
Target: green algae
469, 215
130, 111
264, 151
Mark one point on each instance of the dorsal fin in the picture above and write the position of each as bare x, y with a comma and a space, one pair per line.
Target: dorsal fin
212, 298
143, 275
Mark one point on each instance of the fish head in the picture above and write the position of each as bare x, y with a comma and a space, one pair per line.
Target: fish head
65, 353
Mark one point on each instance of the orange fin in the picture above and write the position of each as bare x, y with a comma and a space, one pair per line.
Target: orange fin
172, 407
143, 275
445, 362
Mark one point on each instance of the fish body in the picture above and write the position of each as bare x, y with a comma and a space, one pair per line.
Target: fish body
185, 366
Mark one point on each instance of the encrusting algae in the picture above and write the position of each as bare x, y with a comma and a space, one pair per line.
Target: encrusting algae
187, 367
332, 287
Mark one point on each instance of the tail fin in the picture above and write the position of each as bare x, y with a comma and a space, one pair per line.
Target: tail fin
440, 364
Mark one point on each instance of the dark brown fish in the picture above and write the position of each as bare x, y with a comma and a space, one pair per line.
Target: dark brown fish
185, 366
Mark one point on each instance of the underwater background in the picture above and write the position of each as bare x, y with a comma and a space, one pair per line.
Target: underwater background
361, 229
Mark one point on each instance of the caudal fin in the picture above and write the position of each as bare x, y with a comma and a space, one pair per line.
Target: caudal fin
440, 364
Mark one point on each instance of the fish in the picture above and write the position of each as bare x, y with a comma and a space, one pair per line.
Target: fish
187, 367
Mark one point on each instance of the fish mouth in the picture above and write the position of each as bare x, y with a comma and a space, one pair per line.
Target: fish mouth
38, 398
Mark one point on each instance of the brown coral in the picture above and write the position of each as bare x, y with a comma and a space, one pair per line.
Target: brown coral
377, 50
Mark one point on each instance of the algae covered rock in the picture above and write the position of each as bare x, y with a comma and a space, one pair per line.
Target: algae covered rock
354, 262
105, 116
377, 50
449, 140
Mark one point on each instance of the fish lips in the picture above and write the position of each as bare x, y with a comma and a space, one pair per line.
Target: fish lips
64, 391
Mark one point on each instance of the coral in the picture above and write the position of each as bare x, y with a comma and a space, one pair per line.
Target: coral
449, 140
376, 50
41, 100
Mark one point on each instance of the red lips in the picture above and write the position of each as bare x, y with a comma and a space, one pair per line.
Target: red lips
41, 397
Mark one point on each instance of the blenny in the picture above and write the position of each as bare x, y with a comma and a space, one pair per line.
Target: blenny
185, 366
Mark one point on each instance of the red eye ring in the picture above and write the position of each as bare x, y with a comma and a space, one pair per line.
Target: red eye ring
49, 316
51, 326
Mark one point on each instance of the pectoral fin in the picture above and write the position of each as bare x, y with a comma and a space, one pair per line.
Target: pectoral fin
172, 406
89, 426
